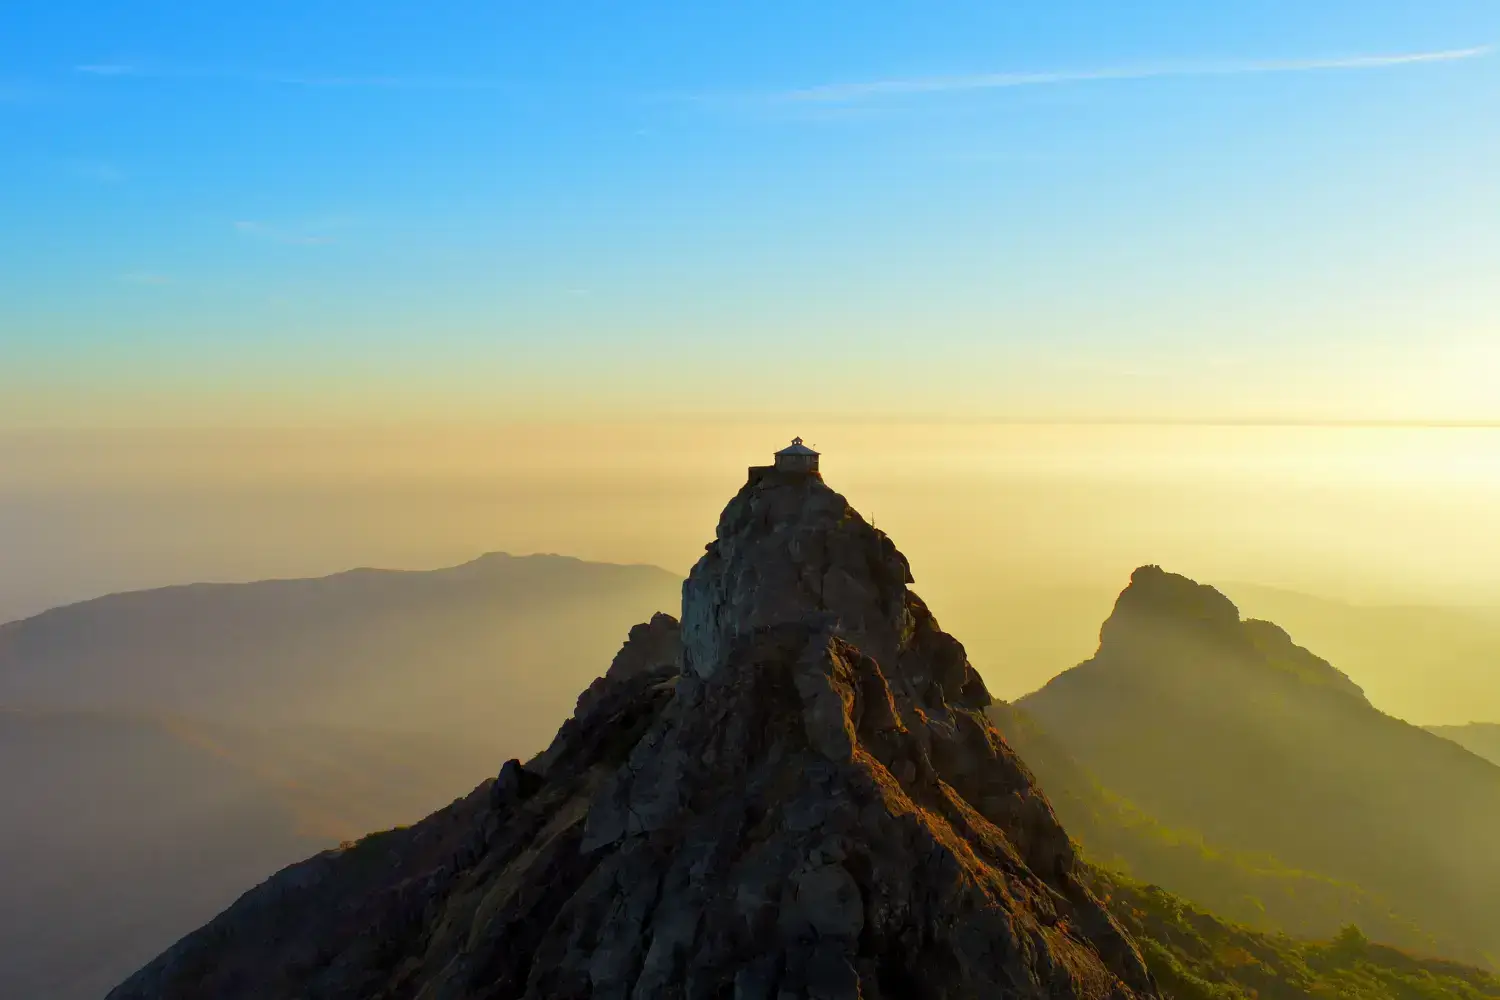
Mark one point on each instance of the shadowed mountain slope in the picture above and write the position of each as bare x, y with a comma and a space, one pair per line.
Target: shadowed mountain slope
806, 800
1224, 726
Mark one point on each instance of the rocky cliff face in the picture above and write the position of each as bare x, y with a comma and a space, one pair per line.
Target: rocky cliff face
796, 794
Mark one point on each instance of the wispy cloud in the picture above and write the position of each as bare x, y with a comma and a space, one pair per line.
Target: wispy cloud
280, 234
911, 86
373, 82
289, 78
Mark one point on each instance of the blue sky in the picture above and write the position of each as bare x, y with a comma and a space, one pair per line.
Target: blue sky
287, 212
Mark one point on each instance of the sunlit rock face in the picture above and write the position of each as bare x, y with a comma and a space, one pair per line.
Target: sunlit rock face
795, 795
791, 550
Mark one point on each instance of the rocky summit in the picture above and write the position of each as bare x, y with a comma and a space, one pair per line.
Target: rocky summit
792, 794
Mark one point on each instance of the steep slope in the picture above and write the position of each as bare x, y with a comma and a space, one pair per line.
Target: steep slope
1224, 726
813, 805
1482, 738
1421, 663
368, 649
1256, 890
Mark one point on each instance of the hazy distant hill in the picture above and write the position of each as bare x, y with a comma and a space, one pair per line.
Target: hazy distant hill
1482, 738
163, 751
438, 651
1425, 664
123, 832
1224, 726
118, 835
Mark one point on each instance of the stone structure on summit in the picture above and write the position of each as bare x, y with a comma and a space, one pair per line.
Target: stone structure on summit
797, 457
795, 461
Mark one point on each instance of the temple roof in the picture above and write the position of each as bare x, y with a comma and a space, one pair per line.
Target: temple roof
796, 448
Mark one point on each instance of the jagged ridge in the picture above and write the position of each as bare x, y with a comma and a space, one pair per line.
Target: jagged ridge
813, 806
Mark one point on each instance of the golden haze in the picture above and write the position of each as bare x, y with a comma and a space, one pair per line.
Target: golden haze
1019, 534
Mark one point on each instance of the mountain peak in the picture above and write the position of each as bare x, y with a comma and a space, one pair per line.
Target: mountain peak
788, 548
812, 805
1164, 620
1154, 593
1227, 727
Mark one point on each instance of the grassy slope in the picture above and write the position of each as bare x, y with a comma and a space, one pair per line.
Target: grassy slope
1216, 724
1195, 956
1252, 889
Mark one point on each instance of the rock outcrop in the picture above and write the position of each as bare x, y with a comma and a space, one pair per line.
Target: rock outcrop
799, 797
1162, 617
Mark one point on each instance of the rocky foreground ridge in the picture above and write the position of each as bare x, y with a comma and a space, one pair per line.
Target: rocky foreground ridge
793, 793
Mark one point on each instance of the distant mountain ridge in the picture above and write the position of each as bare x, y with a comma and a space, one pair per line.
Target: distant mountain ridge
383, 649
162, 750
1216, 724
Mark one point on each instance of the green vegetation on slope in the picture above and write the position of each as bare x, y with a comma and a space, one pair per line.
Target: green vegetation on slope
1257, 890
1213, 724
1195, 956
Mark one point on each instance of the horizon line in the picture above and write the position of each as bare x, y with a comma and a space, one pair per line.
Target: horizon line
753, 419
